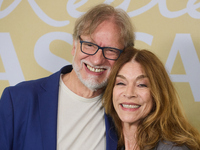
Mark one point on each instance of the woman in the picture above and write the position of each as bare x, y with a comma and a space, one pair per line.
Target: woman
144, 105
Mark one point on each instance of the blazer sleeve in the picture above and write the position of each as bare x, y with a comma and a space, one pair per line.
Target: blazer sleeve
6, 121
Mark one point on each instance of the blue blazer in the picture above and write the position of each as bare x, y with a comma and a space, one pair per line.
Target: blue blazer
28, 115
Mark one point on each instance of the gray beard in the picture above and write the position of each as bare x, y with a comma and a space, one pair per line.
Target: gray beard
90, 82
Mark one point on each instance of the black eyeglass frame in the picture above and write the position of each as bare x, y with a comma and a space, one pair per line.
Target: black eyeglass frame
99, 47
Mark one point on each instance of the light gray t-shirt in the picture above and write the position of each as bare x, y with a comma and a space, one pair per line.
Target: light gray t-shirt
81, 124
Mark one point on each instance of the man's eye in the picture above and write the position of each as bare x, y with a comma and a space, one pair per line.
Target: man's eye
88, 44
113, 51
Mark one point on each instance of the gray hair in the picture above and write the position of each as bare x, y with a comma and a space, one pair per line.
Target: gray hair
87, 23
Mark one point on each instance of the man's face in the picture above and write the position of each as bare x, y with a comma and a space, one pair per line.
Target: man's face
93, 70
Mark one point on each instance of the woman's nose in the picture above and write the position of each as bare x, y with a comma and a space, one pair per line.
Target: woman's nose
130, 92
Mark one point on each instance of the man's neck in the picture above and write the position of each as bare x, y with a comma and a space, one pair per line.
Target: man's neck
75, 85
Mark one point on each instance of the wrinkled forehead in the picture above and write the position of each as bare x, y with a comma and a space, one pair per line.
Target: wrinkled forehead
106, 33
90, 26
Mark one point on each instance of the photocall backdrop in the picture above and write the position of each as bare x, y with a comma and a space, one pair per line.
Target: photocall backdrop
36, 40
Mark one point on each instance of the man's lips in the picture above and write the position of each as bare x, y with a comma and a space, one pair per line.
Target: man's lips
95, 69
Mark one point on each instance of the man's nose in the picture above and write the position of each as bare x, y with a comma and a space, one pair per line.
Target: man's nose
98, 58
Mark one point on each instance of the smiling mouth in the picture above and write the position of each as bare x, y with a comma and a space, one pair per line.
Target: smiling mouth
130, 106
94, 69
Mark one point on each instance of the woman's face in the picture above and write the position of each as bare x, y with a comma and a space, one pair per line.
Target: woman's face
132, 98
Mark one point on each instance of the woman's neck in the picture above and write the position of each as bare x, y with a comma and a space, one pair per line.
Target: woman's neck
129, 132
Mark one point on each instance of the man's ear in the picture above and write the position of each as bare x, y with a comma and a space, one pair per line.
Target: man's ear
74, 47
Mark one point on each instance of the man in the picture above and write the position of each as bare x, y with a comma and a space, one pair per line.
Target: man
64, 111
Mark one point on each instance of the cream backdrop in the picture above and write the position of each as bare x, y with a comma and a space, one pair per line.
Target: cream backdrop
36, 40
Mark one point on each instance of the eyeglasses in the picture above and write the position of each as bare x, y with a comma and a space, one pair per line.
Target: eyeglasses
108, 52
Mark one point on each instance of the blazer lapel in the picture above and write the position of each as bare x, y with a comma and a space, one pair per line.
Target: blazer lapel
48, 106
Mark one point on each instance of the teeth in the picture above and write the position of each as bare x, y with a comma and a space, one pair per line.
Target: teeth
94, 70
130, 106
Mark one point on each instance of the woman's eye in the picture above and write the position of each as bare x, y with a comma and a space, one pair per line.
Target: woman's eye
120, 83
142, 85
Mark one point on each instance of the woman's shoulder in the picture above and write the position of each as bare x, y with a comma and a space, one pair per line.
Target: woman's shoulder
167, 145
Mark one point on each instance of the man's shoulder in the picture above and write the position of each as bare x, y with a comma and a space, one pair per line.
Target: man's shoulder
30, 84
34, 85
166, 145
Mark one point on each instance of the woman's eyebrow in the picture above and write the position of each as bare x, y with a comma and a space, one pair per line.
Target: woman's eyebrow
120, 76
141, 77
138, 77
